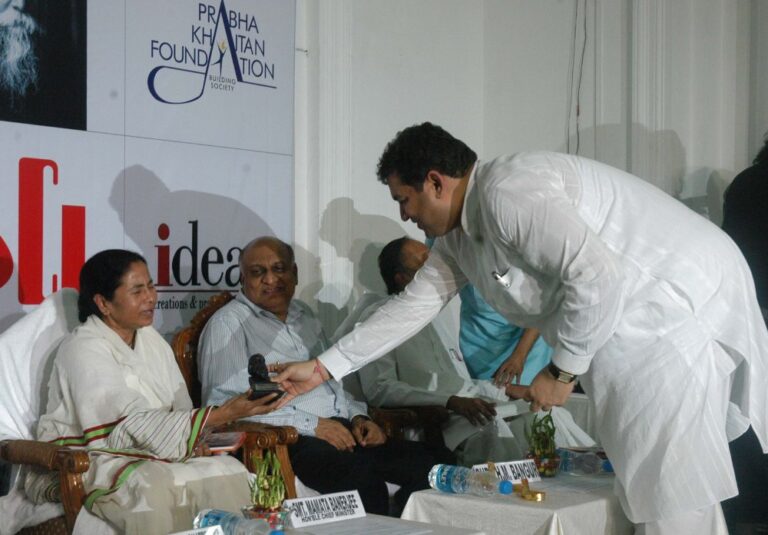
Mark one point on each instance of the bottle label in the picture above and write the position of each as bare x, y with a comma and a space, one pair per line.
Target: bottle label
445, 477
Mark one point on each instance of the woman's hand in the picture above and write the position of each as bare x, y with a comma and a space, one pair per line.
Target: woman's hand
202, 450
511, 371
240, 406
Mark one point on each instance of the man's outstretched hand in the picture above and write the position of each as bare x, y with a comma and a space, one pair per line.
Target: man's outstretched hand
299, 377
546, 392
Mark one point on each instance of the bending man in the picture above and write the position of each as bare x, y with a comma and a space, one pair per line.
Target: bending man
650, 303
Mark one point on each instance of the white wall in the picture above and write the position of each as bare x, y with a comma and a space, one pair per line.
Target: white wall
669, 90
377, 67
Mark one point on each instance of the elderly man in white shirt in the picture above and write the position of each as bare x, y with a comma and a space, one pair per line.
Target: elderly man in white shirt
651, 304
339, 447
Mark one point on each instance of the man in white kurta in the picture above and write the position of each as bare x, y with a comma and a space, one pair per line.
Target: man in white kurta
651, 304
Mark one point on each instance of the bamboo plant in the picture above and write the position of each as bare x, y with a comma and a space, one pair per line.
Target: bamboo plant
541, 436
541, 444
268, 485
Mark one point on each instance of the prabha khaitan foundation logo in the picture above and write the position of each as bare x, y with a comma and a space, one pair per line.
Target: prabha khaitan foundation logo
225, 48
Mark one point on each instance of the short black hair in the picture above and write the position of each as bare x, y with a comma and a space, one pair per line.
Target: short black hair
421, 148
102, 274
391, 263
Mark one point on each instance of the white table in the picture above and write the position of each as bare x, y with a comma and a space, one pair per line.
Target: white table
574, 505
382, 525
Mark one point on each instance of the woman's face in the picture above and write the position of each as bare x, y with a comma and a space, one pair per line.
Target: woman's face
133, 304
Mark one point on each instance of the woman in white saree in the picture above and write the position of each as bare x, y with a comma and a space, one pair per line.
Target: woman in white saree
116, 390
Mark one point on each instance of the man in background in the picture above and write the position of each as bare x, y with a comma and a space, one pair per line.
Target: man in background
421, 371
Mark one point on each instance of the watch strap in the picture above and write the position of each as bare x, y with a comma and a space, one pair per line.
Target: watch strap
561, 375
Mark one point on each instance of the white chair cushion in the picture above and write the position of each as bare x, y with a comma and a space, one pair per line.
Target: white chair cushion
26, 358
26, 352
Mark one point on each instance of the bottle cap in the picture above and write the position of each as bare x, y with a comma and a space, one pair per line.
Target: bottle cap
505, 487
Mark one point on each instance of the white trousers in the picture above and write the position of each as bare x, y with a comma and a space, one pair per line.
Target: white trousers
707, 521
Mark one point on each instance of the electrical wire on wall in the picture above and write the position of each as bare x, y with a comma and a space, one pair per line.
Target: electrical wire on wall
576, 75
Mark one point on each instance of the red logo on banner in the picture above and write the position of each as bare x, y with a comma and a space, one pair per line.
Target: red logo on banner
31, 188
6, 263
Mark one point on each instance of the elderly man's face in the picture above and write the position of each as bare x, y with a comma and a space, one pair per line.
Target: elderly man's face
10, 10
269, 278
18, 63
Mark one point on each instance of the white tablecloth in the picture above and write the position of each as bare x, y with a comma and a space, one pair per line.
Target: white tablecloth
574, 505
382, 525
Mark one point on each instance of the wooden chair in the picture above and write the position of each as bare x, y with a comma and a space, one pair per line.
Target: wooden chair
260, 437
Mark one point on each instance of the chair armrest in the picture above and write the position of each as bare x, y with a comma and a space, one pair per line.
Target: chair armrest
44, 455
69, 463
261, 437
430, 418
393, 421
431, 414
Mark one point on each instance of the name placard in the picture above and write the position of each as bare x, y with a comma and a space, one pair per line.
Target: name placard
325, 508
514, 471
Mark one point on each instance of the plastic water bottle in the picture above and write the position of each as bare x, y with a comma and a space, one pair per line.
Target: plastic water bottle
462, 480
587, 462
231, 523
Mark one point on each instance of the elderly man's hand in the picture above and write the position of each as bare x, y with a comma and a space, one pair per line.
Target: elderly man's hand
335, 434
476, 410
546, 392
367, 432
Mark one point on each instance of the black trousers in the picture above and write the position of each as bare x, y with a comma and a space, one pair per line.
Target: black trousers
325, 469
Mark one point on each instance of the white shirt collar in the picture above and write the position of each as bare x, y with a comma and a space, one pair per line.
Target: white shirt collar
467, 218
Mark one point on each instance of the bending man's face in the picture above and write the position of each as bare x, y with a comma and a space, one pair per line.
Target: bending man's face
18, 63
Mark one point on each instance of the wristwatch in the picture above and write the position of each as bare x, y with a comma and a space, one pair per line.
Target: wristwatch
561, 375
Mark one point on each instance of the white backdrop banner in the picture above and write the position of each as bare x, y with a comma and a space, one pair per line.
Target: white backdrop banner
162, 127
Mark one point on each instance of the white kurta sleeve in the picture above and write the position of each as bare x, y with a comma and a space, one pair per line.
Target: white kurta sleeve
401, 317
541, 225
